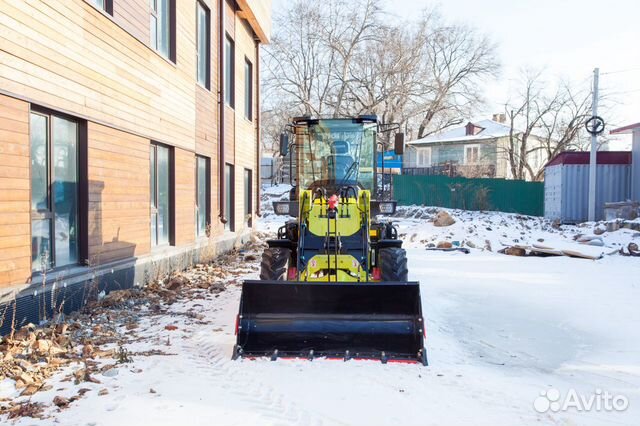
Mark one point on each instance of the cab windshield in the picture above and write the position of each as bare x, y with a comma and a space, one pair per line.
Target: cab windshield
336, 153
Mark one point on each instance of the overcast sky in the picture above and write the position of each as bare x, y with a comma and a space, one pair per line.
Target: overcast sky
568, 38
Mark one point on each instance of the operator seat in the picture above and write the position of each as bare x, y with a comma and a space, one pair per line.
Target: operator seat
340, 160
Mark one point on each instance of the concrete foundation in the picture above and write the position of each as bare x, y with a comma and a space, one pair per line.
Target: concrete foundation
64, 291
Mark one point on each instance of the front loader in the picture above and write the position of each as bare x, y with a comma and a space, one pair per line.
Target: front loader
334, 283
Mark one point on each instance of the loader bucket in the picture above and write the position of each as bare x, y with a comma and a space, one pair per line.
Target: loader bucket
334, 320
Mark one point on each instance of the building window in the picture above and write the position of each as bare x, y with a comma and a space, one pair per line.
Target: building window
228, 197
203, 45
162, 20
106, 5
203, 177
248, 90
423, 157
472, 154
161, 196
248, 194
229, 69
54, 191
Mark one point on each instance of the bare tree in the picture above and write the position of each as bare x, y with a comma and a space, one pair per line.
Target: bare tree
338, 58
457, 62
309, 59
543, 122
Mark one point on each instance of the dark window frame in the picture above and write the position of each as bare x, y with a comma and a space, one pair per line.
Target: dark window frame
153, 11
107, 8
248, 89
82, 208
248, 200
207, 77
207, 195
230, 209
229, 72
172, 196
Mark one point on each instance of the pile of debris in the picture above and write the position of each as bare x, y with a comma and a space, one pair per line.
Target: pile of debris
93, 342
33, 354
584, 246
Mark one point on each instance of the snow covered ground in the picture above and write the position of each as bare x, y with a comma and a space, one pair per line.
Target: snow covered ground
500, 330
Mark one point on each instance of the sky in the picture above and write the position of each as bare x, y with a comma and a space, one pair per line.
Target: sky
566, 38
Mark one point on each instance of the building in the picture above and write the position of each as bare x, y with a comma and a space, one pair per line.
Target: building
566, 184
477, 149
634, 130
128, 139
389, 162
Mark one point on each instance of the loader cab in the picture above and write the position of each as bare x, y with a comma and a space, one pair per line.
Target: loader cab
335, 153
332, 155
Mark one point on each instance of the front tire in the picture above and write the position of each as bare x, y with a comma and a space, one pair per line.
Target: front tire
275, 264
393, 264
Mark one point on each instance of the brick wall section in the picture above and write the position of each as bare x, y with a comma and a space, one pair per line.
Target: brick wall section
185, 193
15, 217
119, 215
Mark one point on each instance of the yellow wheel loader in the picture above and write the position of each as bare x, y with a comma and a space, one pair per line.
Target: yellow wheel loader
334, 283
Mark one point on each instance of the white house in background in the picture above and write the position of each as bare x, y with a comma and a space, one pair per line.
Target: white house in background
477, 149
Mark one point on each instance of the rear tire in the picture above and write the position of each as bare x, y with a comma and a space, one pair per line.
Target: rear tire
393, 264
275, 264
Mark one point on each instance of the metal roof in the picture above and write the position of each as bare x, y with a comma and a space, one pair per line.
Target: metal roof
626, 129
489, 130
582, 157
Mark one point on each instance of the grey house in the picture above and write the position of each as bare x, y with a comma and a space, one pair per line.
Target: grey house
477, 149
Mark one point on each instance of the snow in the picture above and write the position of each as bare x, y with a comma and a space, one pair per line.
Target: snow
490, 129
500, 330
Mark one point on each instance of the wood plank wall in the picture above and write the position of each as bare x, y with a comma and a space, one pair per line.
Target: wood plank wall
207, 113
133, 16
15, 196
119, 212
70, 57
185, 194
244, 131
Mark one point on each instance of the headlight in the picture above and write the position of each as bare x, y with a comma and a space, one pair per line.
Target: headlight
386, 208
282, 208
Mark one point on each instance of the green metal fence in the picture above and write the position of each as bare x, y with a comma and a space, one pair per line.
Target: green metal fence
512, 196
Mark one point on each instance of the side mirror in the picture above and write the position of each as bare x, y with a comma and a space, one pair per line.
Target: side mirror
284, 144
398, 147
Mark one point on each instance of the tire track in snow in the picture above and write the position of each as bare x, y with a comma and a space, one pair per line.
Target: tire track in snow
272, 406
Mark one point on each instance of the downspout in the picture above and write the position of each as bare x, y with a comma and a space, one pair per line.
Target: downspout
221, 81
258, 142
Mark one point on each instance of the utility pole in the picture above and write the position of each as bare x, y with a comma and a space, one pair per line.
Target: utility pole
594, 149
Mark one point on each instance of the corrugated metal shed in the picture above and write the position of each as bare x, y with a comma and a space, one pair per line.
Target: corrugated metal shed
566, 184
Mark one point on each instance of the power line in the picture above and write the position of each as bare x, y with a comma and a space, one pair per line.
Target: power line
620, 92
621, 71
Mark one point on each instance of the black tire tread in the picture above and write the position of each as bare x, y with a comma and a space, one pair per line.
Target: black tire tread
393, 264
275, 263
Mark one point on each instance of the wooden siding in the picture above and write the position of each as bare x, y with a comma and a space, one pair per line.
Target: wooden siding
72, 58
229, 17
207, 113
69, 56
241, 140
119, 212
258, 14
185, 196
15, 217
207, 146
133, 16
